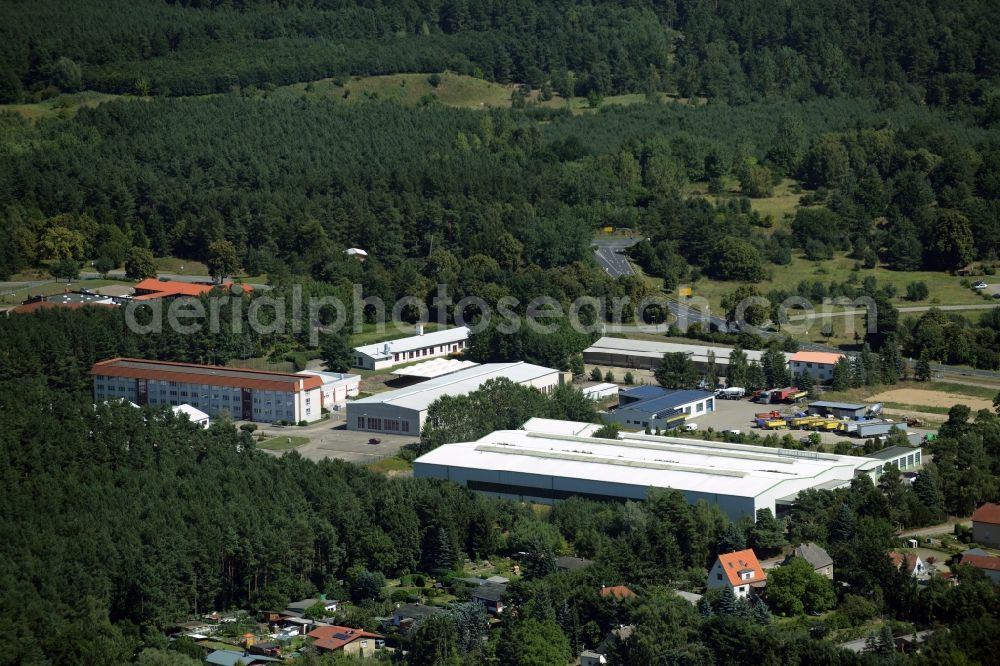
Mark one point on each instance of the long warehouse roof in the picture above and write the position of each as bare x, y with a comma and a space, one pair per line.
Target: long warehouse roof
420, 396
383, 350
548, 449
653, 349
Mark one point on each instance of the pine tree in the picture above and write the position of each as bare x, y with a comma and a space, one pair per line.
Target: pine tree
736, 372
726, 604
891, 363
844, 525
922, 372
759, 611
711, 373
731, 539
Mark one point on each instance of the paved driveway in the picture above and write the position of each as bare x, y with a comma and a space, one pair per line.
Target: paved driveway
332, 439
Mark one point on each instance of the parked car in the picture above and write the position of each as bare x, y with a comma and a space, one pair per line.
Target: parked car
980, 285
374, 440
690, 426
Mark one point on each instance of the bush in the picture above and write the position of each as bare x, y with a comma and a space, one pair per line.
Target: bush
303, 422
917, 291
419, 580
248, 427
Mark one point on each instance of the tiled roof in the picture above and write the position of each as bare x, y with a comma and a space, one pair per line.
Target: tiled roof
900, 559
333, 637
212, 375
742, 560
987, 562
814, 555
987, 513
618, 592
152, 288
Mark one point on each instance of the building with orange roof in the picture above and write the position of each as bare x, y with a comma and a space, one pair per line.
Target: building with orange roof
154, 288
986, 525
349, 641
909, 563
618, 592
815, 363
739, 571
244, 394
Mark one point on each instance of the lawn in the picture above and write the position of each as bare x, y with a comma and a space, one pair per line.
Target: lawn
15, 296
944, 289
370, 333
391, 466
177, 266
63, 106
783, 202
282, 443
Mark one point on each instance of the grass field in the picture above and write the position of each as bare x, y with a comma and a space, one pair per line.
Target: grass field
371, 332
783, 202
944, 289
15, 296
282, 443
391, 466
62, 106
410, 89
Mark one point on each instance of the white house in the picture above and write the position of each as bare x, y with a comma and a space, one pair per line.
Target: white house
196, 416
739, 571
818, 364
337, 387
417, 347
909, 563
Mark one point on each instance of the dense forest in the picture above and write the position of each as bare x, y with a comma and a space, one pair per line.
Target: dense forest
882, 116
736, 51
131, 519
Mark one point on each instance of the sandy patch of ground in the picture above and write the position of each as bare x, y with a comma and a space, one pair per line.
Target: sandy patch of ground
909, 396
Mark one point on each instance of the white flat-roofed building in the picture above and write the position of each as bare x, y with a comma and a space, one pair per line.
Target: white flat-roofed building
196, 416
337, 386
600, 390
414, 348
405, 410
647, 354
552, 460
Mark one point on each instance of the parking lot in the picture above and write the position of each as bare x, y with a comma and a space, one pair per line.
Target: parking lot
739, 414
332, 439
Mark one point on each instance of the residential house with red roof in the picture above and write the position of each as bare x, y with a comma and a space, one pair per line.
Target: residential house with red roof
739, 571
908, 562
618, 592
988, 564
986, 525
349, 641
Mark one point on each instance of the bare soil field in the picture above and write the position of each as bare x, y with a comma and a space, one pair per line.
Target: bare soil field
910, 396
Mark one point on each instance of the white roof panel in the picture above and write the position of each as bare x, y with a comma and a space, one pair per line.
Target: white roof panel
654, 349
436, 367
421, 395
386, 349
563, 449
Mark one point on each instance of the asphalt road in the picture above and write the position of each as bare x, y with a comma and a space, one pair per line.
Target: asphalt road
610, 254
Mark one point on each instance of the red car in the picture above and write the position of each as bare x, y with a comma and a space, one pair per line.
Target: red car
374, 440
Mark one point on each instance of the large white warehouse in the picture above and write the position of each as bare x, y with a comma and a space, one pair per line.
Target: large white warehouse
416, 347
405, 410
551, 460
647, 354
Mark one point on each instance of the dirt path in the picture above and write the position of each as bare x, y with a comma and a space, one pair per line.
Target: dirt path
910, 396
